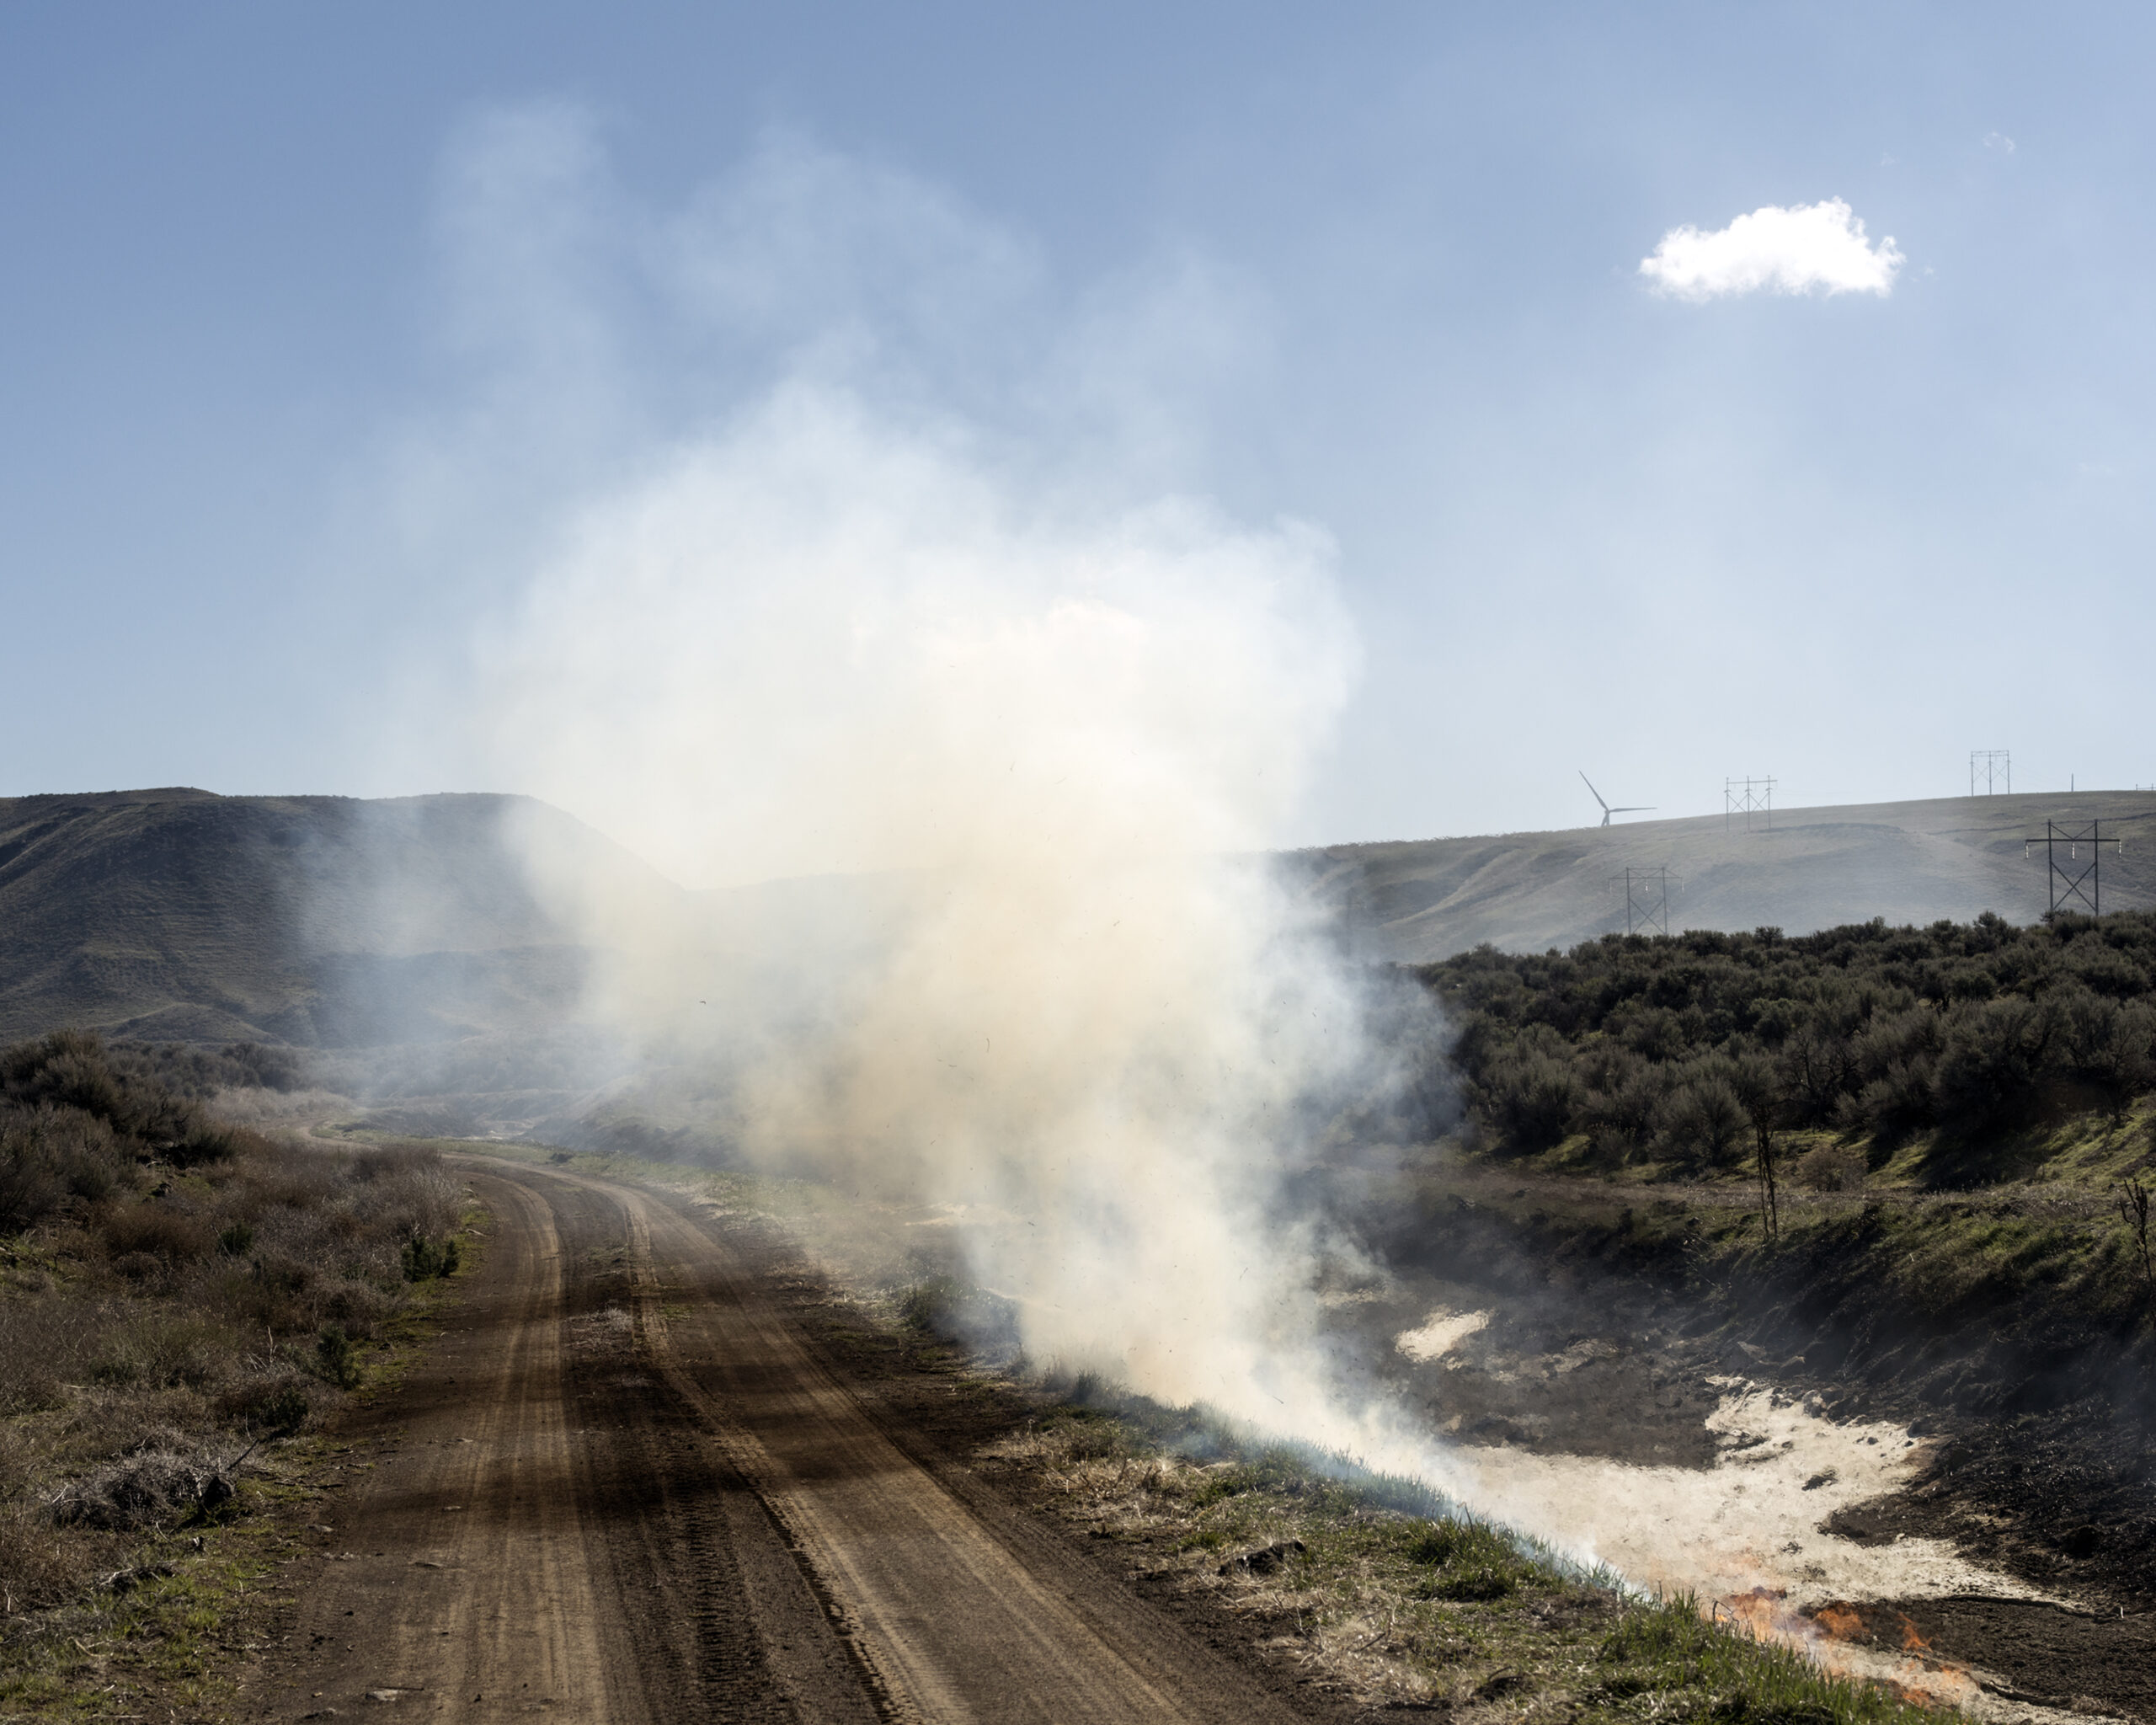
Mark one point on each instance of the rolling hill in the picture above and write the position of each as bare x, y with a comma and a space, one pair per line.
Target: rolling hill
322, 921
332, 922
1916, 861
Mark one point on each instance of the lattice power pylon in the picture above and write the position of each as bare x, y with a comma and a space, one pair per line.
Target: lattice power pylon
2074, 881
1991, 771
1748, 797
1646, 901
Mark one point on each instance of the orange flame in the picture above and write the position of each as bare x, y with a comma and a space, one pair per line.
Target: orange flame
1760, 1611
1840, 1621
1834, 1635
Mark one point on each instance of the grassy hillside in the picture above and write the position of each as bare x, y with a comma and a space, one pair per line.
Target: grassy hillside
176, 915
1955, 858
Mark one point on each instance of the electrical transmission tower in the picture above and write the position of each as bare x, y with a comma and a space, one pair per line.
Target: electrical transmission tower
1993, 768
1646, 901
1748, 797
2071, 880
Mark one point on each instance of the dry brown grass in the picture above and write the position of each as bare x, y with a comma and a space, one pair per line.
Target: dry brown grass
164, 1283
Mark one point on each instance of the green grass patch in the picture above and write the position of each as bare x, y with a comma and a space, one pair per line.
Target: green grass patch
1667, 1660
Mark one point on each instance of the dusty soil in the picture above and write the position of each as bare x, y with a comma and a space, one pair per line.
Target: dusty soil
958, 1425
630, 1483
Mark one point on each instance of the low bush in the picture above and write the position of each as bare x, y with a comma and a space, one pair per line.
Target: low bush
278, 1410
950, 1309
1829, 1167
39, 1566
424, 1259
152, 1488
70, 1069
50, 1158
157, 1228
159, 1350
334, 1355
1976, 1029
1698, 1670
1473, 1560
47, 1343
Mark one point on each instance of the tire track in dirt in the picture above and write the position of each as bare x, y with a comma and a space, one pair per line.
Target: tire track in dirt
720, 1609
540, 1530
626, 1485
479, 1491
959, 1618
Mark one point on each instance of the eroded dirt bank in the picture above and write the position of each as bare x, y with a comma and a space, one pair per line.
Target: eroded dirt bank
628, 1485
1546, 1327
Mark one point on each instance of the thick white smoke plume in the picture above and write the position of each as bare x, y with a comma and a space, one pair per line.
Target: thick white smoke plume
1052, 715
813, 644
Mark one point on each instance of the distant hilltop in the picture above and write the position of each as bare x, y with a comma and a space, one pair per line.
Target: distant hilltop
334, 922
1953, 858
321, 921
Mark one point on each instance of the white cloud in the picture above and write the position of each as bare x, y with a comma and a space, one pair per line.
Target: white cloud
1794, 250
1998, 140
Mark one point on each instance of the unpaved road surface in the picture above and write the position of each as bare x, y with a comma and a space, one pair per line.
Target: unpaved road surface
625, 1485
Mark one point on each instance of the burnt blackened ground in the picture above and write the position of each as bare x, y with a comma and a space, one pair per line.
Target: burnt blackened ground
1613, 1311
1614, 1307
1559, 1372
2065, 1498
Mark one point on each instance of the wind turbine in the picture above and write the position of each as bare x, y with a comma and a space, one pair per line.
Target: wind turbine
1607, 811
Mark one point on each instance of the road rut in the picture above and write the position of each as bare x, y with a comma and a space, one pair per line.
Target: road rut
626, 1485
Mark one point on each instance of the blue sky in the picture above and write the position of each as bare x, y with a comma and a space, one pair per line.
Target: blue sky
306, 314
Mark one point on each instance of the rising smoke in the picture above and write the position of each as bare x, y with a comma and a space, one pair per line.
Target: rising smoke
989, 663
815, 644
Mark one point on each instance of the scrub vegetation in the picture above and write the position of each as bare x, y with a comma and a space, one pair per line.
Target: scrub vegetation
1673, 1050
177, 1296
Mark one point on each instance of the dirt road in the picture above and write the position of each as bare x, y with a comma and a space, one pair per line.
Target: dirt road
626, 1485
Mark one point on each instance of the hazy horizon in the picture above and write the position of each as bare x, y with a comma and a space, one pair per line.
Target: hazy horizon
1674, 397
